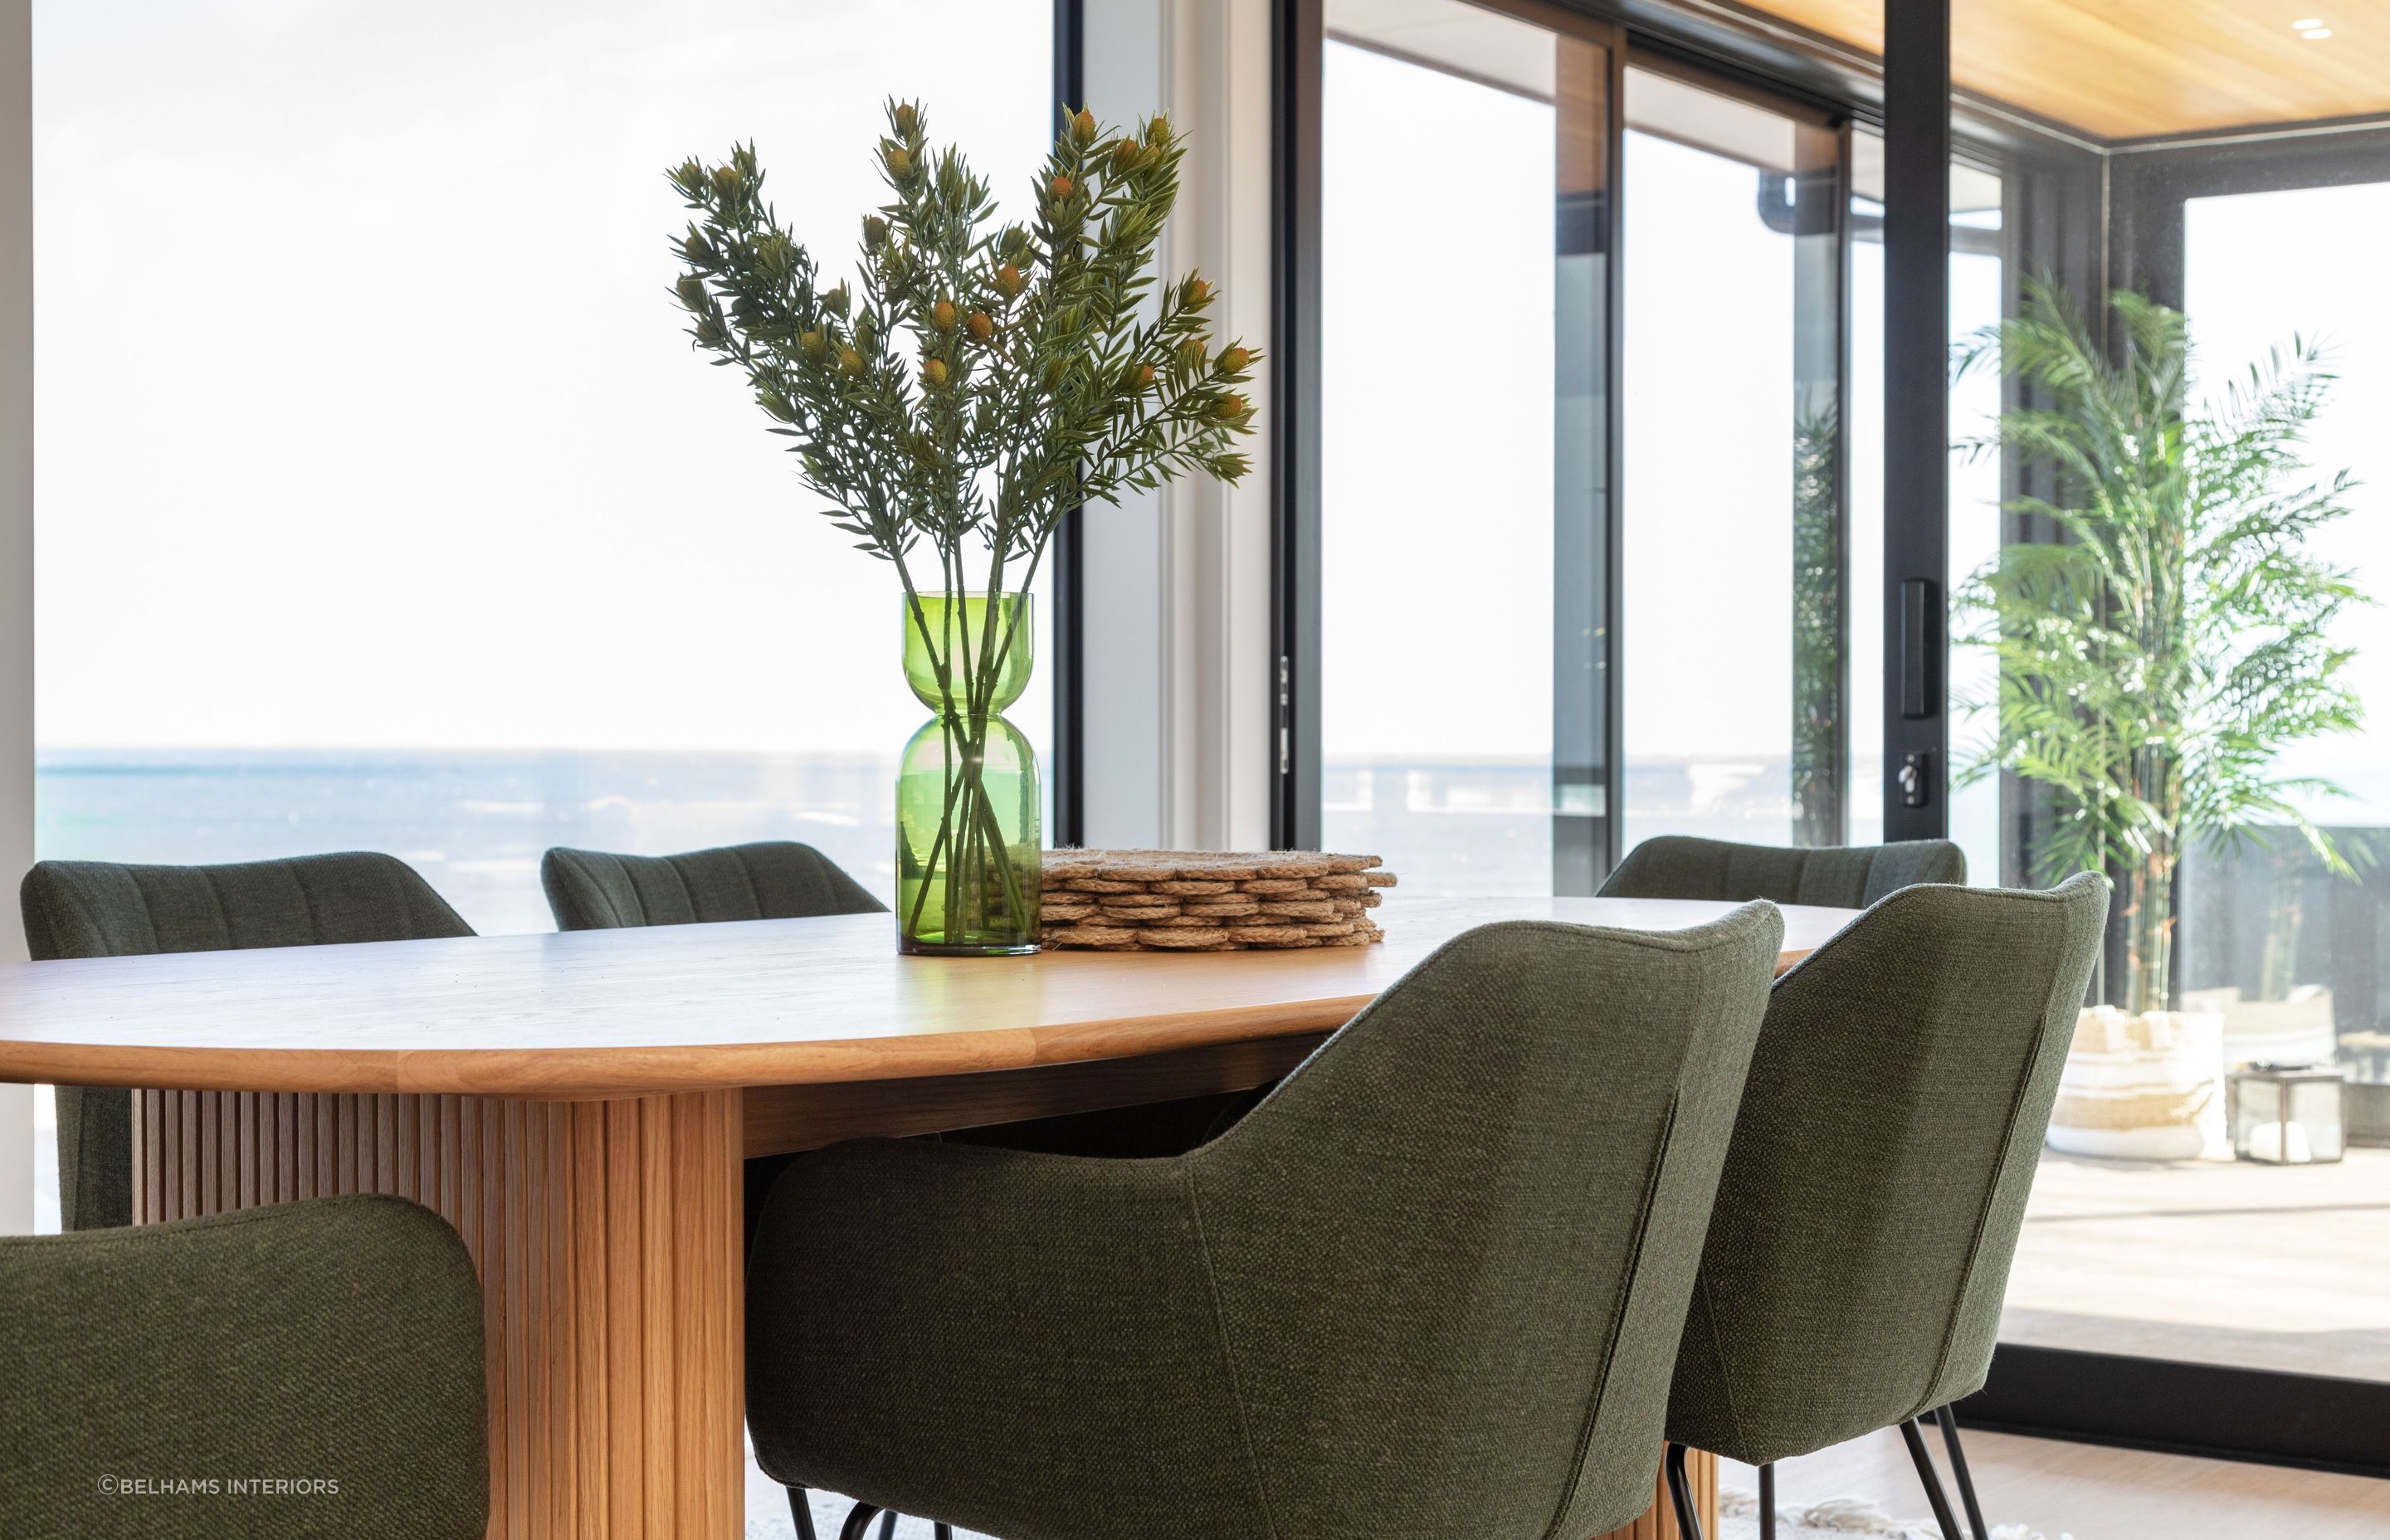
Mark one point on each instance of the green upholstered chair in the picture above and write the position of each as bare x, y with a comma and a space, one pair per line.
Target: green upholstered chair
1857, 1260
591, 890
101, 909
1842, 877
335, 1341
1432, 1286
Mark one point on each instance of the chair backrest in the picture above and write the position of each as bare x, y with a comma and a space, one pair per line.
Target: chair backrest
104, 909
593, 890
1452, 1251
1842, 877
338, 1336
1856, 1264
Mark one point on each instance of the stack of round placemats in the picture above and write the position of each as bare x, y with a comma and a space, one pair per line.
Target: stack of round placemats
1210, 901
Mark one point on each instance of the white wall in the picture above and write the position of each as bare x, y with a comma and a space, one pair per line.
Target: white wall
15, 559
1178, 717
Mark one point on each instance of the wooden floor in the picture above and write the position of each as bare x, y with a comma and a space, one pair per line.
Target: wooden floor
2273, 1268
2057, 1489
2095, 1494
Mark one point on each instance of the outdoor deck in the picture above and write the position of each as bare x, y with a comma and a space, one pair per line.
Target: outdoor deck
2270, 1267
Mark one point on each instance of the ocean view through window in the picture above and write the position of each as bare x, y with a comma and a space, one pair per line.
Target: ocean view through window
473, 822
422, 532
446, 547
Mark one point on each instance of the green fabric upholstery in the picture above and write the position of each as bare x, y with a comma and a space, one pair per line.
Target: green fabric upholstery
1432, 1286
336, 1340
101, 909
592, 890
1869, 1209
1840, 876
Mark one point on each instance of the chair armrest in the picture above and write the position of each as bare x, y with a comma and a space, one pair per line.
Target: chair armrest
961, 1332
313, 1368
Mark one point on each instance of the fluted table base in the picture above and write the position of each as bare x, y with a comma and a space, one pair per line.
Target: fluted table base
608, 1237
1659, 1520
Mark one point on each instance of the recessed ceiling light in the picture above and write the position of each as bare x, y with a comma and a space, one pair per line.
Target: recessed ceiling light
2318, 35
2303, 26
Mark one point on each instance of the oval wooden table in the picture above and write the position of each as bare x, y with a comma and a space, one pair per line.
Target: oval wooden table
578, 1106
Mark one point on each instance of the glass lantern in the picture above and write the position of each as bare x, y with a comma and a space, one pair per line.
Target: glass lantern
2286, 1114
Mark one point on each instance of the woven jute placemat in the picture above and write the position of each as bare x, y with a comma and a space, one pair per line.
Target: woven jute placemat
1210, 901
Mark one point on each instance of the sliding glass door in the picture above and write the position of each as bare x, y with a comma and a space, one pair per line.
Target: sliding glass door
1463, 465
1664, 600
1737, 677
1979, 287
2158, 1244
1598, 556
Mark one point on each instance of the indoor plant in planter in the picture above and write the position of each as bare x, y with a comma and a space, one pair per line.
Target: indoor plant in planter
2156, 657
976, 382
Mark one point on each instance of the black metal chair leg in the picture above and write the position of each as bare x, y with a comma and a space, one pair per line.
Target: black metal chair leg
800, 1509
1767, 1501
1915, 1439
1680, 1494
943, 1531
1948, 1417
858, 1523
888, 1526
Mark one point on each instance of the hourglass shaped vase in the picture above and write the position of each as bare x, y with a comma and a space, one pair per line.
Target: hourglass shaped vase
970, 841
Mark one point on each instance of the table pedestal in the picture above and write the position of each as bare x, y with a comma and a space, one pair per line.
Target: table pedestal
608, 1237
1659, 1520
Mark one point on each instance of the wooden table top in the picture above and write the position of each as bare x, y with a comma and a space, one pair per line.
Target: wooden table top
603, 1013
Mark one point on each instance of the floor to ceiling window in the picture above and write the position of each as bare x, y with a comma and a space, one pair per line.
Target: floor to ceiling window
382, 502
1735, 670
2204, 1258
1460, 688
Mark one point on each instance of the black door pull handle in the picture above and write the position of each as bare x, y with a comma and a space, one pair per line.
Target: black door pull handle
1921, 647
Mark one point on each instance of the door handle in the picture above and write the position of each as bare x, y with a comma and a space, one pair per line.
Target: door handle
1921, 648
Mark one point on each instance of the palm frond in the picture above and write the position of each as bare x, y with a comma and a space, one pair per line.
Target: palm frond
2158, 658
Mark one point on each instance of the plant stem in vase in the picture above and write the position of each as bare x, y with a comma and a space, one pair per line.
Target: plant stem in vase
1048, 370
969, 845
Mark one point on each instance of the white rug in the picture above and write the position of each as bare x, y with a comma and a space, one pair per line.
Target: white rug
770, 1520
1841, 1519
767, 1513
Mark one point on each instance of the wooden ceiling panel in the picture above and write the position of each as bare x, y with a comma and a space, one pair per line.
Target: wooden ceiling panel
2131, 68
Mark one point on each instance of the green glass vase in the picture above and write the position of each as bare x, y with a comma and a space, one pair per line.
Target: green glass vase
970, 841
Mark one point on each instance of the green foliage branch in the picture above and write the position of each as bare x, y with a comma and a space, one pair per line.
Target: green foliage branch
980, 379
977, 381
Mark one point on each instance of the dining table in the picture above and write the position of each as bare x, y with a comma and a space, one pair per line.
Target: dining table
580, 1106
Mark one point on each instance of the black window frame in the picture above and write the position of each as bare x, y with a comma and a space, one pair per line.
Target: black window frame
1069, 765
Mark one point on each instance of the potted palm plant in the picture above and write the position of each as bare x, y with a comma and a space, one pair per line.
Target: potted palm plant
976, 382
2157, 657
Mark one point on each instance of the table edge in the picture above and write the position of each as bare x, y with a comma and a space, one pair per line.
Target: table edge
598, 1073
609, 1073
